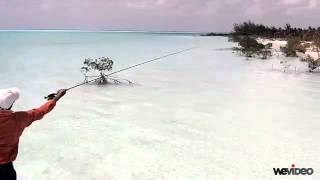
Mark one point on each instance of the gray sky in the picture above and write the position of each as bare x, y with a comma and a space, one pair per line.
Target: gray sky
165, 15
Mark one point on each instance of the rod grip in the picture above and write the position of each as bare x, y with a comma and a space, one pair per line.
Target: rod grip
50, 96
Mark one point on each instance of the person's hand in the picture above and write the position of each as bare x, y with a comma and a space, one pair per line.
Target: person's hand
60, 94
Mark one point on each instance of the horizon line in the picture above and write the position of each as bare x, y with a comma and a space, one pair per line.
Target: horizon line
80, 30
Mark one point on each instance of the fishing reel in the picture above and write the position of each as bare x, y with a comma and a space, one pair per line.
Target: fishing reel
50, 96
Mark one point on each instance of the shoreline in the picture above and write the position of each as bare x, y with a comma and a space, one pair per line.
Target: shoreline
278, 43
99, 31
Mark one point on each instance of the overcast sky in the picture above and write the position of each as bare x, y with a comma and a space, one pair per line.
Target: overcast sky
154, 15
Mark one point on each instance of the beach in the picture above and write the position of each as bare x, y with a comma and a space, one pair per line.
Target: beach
277, 43
203, 115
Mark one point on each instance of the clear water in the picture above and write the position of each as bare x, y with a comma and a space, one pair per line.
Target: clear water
204, 114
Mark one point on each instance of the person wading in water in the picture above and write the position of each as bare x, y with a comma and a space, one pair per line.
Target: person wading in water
12, 125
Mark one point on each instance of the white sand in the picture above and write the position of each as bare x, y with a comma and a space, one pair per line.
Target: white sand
276, 44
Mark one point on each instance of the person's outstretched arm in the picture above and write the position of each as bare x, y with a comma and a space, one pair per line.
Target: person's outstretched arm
25, 118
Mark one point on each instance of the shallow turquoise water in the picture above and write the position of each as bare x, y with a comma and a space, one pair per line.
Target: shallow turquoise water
204, 114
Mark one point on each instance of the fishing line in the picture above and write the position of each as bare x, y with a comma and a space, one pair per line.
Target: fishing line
133, 66
124, 69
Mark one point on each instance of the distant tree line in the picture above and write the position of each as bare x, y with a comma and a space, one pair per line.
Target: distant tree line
215, 34
298, 40
250, 28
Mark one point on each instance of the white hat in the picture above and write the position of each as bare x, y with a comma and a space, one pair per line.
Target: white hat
8, 97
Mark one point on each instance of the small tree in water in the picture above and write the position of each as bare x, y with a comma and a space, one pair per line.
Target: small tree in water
101, 65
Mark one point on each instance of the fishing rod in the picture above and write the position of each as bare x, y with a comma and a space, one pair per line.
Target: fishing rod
50, 96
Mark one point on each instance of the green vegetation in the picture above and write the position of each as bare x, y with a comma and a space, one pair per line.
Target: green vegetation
298, 40
251, 48
216, 34
94, 70
294, 36
312, 63
316, 42
293, 46
250, 28
101, 65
